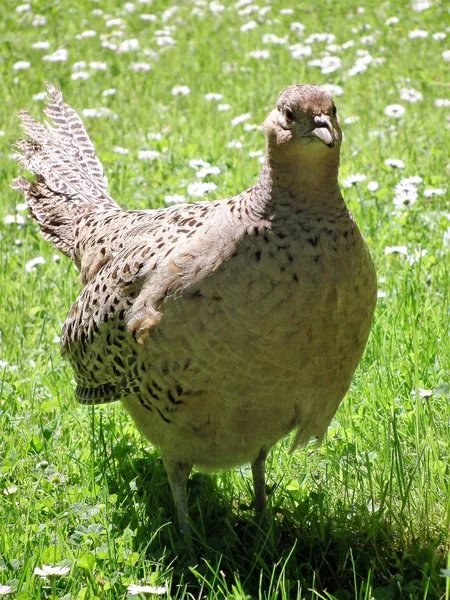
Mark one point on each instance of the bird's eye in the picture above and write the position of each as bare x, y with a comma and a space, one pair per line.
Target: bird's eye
289, 114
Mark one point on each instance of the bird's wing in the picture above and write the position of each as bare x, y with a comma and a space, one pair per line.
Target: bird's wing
124, 299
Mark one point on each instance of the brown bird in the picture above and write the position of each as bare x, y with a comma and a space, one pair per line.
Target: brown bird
221, 326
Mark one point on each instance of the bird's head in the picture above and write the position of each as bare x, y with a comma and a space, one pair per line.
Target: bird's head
304, 121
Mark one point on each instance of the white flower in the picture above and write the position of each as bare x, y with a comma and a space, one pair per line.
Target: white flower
446, 238
98, 113
22, 206
406, 193
216, 7
33, 263
413, 180
114, 23
80, 75
39, 97
396, 163
197, 163
372, 186
328, 38
148, 154
128, 45
39, 21
41, 45
367, 40
299, 51
21, 65
165, 40
298, 28
79, 66
396, 250
416, 256
439, 36
134, 590
169, 13
252, 127
146, 17
394, 111
197, 190
411, 95
351, 119
223, 107
140, 67
175, 199
423, 393
120, 150
98, 66
5, 589
109, 92
23, 8
59, 55
420, 5
270, 38
150, 53
206, 171
333, 89
362, 62
109, 46
328, 64
240, 119
353, 180
51, 571
259, 54
286, 11
84, 35
235, 144
129, 7
392, 21
442, 102
249, 26
248, 10
14, 220
180, 90
417, 34
213, 96
430, 192
446, 55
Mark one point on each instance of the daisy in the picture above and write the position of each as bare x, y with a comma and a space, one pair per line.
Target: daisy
134, 590
197, 190
51, 571
181, 90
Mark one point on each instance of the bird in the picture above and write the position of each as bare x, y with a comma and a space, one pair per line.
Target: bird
221, 325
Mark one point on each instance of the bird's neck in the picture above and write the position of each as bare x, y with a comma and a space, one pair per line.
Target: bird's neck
308, 182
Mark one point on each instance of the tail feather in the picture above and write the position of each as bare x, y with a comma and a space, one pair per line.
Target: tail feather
70, 178
45, 206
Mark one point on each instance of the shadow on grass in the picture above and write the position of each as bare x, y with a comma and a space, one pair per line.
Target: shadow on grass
308, 545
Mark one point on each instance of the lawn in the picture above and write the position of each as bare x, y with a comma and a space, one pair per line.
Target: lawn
165, 90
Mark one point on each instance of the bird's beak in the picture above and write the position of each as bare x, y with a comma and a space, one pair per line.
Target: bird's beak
324, 130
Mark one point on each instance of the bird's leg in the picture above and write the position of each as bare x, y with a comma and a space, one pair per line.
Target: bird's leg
178, 473
259, 483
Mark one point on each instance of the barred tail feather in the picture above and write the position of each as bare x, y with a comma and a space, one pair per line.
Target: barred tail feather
70, 178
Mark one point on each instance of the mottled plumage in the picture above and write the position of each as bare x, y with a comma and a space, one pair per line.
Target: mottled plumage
222, 326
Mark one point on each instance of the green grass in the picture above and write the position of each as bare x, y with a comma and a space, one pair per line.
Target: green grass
365, 516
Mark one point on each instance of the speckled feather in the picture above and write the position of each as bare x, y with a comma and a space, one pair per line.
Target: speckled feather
223, 325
